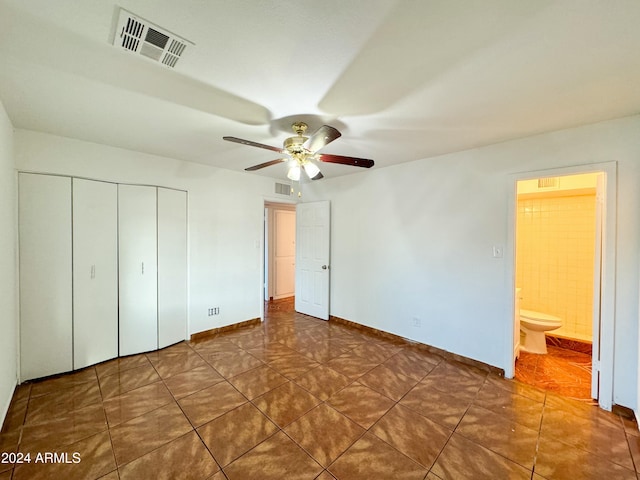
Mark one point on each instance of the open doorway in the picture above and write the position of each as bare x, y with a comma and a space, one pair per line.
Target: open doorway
279, 251
601, 305
557, 272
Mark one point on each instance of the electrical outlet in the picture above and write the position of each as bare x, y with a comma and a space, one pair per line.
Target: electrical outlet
416, 322
216, 311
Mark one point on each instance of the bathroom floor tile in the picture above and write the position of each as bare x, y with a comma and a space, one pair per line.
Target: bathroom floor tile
561, 371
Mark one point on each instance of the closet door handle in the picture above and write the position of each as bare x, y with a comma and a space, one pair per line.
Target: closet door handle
93, 272
142, 268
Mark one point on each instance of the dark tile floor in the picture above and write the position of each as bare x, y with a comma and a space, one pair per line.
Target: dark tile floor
299, 398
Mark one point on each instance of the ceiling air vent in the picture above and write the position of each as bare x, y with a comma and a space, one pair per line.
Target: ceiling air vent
549, 182
283, 189
140, 36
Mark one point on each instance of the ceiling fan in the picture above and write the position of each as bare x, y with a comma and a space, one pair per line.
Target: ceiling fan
302, 152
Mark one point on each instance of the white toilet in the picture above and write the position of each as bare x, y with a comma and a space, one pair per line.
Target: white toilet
532, 327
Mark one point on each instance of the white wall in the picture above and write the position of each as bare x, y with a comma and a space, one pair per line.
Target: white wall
415, 241
8, 269
225, 216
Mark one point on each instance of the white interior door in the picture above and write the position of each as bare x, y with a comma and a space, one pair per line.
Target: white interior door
95, 272
312, 258
172, 266
138, 285
597, 288
46, 310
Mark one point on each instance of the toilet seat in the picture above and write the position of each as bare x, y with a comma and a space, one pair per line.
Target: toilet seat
540, 318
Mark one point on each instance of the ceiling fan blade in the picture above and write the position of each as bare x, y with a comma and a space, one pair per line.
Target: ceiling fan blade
353, 161
318, 176
323, 136
266, 164
252, 144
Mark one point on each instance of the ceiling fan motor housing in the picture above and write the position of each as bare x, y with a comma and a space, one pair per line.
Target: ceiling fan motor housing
294, 144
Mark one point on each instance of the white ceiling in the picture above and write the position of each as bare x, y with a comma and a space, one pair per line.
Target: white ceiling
402, 80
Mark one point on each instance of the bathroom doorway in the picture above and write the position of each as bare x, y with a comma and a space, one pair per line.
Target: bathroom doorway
555, 279
563, 251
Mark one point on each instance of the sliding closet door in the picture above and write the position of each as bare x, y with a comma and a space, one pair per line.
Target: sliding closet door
138, 284
45, 275
95, 272
172, 266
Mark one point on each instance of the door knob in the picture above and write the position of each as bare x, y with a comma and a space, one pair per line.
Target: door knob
325, 267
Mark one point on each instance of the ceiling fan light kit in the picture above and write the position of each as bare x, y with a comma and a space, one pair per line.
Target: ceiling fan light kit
302, 151
293, 173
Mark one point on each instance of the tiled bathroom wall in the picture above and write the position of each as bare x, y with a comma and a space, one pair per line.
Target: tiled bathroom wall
555, 245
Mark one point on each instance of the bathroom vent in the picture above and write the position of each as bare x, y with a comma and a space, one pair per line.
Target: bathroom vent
283, 189
550, 182
137, 35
